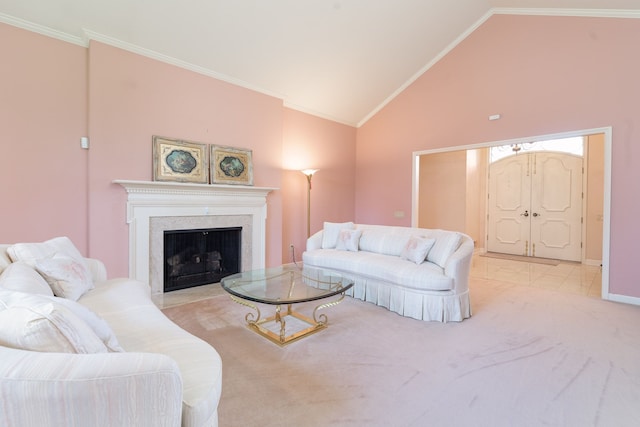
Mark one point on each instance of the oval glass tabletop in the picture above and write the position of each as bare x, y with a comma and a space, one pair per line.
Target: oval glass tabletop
287, 284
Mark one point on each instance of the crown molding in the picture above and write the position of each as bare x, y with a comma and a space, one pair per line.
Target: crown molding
589, 13
41, 29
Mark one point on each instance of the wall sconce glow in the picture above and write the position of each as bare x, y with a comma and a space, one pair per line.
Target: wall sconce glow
309, 174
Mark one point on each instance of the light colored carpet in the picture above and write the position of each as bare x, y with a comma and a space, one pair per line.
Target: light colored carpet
527, 357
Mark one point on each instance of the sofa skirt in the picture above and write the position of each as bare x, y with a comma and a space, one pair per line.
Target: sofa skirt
441, 306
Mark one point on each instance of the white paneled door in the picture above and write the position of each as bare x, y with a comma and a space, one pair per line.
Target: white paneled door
535, 206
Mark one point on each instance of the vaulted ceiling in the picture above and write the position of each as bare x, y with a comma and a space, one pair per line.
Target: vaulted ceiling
338, 59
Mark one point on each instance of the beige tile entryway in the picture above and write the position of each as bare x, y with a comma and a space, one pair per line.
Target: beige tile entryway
565, 276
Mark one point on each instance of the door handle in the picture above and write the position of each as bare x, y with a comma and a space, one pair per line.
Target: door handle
535, 214
526, 213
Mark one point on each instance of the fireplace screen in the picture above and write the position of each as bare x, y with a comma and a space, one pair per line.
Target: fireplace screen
200, 257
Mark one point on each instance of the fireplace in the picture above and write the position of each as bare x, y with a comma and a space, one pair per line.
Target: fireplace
201, 256
155, 207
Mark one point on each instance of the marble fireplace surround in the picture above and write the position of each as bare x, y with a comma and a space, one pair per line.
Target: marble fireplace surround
153, 207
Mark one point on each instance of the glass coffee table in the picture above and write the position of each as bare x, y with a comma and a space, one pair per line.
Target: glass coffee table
286, 286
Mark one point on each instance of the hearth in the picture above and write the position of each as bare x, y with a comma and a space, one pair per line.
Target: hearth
201, 256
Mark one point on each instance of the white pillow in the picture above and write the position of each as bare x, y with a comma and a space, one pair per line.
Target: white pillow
97, 324
386, 242
33, 252
66, 276
5, 260
330, 233
64, 245
30, 252
19, 276
445, 245
348, 240
37, 323
417, 248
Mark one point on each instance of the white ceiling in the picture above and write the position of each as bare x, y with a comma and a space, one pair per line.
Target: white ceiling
338, 59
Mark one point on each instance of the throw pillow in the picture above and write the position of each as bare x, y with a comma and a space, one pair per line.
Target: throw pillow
5, 261
387, 242
33, 251
97, 324
30, 252
64, 245
330, 233
445, 245
417, 248
66, 276
348, 240
35, 323
19, 276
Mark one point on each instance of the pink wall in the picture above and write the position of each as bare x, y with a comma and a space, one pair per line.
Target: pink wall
314, 143
132, 98
55, 92
43, 100
544, 75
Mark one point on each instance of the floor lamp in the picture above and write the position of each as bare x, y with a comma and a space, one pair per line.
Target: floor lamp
309, 173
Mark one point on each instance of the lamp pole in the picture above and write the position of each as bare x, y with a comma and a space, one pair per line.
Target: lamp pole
309, 174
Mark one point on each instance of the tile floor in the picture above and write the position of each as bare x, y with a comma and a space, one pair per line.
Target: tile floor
565, 277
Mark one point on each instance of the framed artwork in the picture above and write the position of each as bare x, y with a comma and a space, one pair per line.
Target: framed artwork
181, 161
231, 165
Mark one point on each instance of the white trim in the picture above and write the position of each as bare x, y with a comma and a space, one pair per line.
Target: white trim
606, 213
606, 223
583, 215
41, 29
588, 13
624, 299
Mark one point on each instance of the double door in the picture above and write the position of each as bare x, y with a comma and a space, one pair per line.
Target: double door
535, 206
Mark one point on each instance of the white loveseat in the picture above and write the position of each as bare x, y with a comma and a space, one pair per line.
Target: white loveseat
100, 353
415, 272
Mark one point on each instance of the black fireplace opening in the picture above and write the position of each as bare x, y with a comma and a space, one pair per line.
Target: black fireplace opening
200, 256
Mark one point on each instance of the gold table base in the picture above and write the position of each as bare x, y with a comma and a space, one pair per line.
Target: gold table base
317, 323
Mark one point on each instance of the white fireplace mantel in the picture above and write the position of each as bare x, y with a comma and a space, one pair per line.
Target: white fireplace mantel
148, 200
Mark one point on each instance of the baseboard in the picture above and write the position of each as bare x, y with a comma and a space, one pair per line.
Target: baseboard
623, 299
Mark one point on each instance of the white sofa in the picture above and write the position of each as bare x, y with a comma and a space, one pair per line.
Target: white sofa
415, 272
98, 354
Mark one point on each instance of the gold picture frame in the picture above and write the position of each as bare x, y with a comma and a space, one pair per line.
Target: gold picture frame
181, 161
231, 165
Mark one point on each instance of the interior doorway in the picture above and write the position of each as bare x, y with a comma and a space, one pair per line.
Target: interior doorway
462, 206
